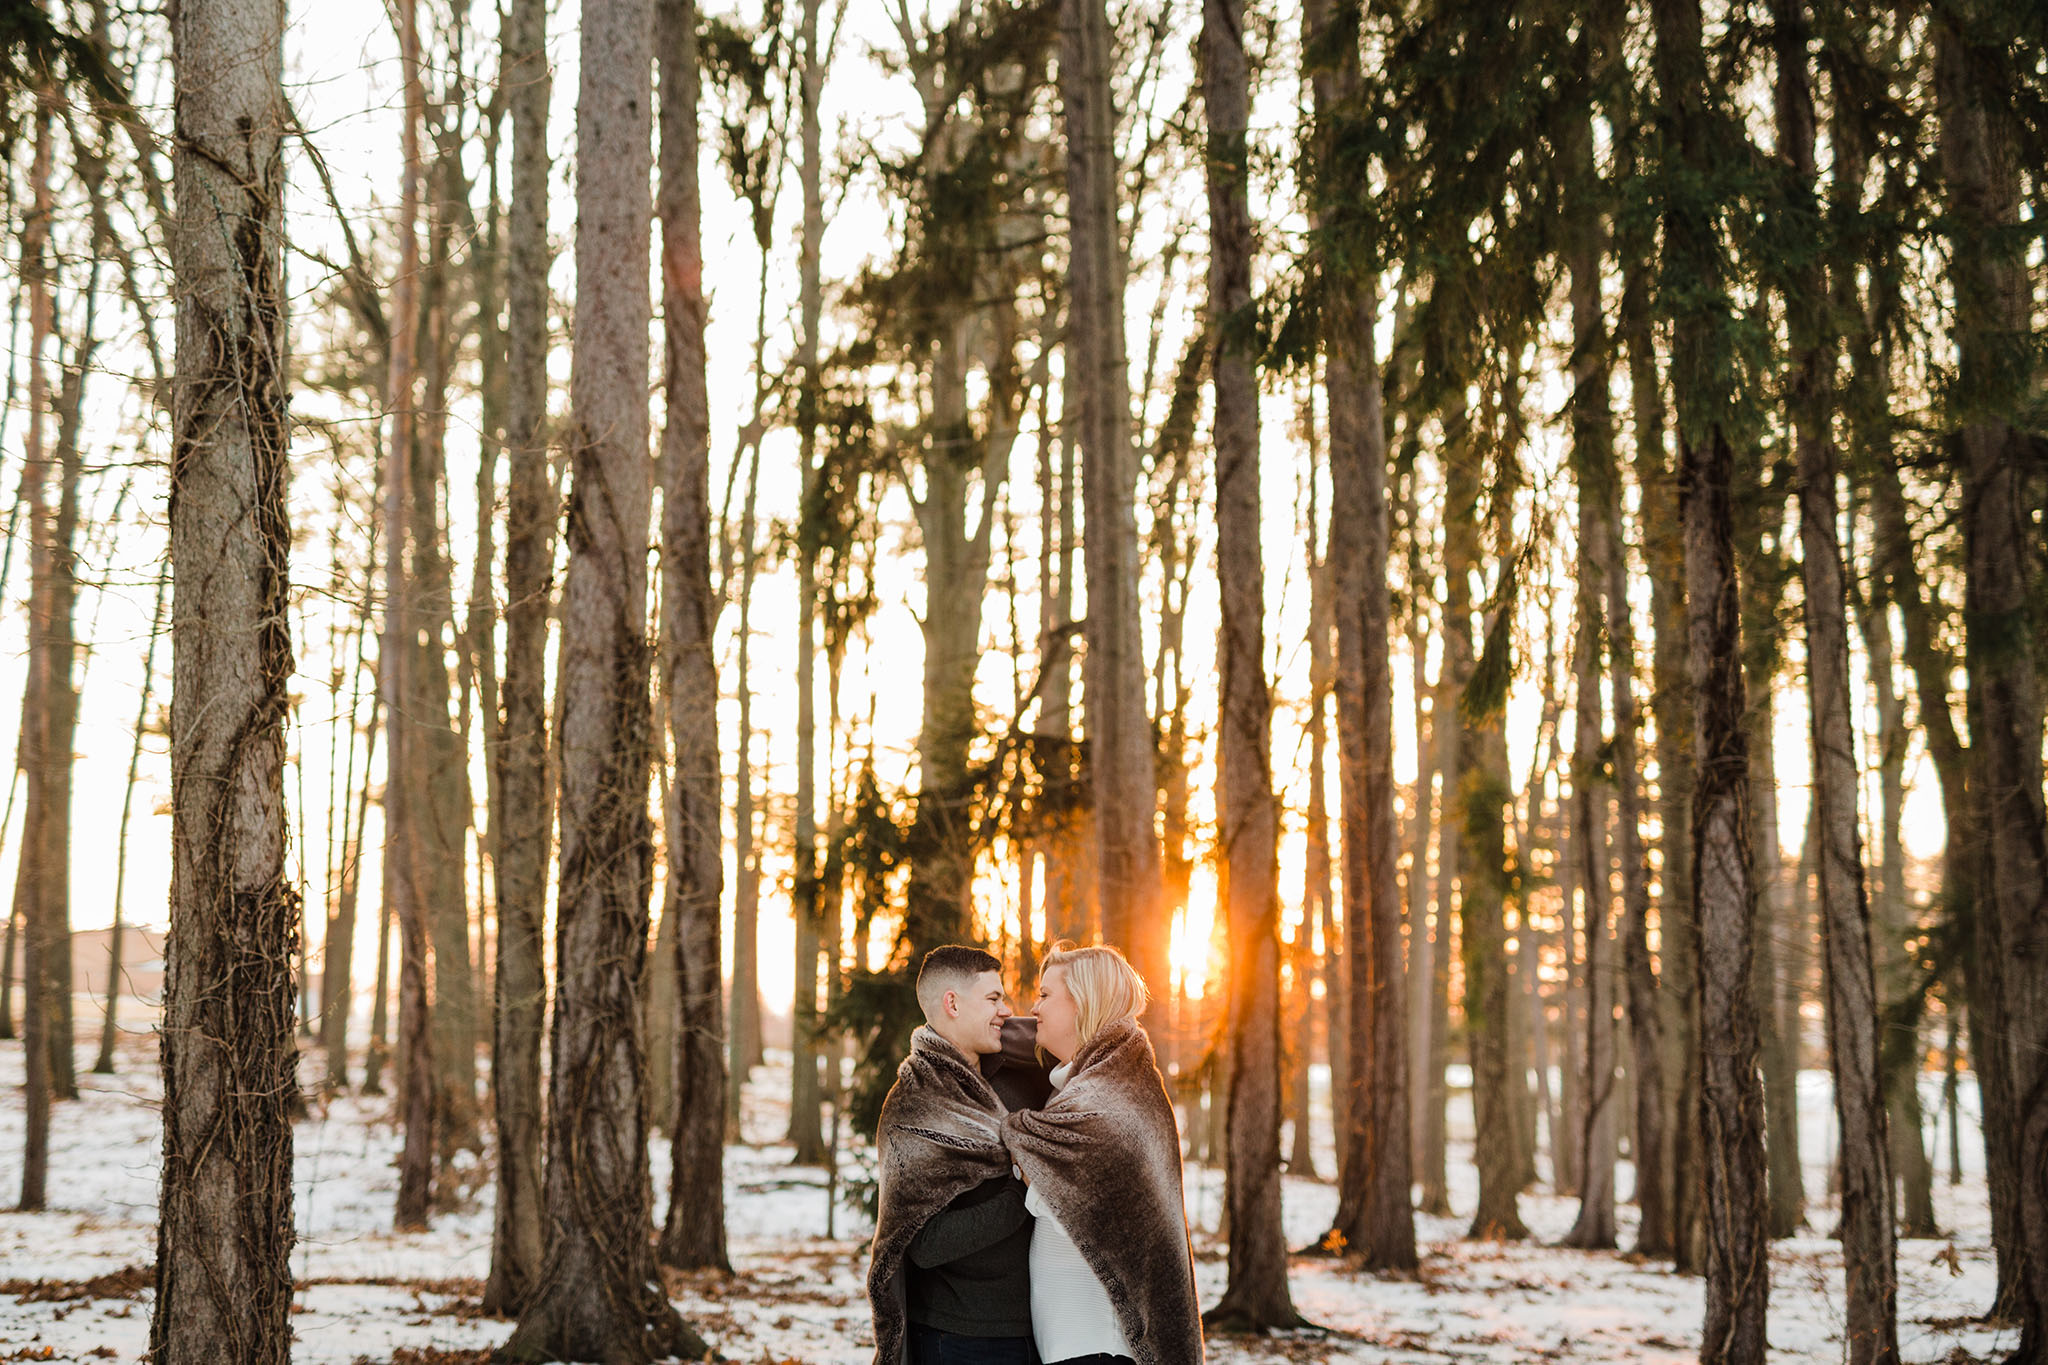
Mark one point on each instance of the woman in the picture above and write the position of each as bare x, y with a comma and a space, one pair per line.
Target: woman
1111, 1275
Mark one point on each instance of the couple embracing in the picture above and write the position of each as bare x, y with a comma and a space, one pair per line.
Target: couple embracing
1027, 1217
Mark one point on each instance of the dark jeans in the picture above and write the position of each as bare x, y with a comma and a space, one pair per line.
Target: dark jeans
1097, 1359
930, 1346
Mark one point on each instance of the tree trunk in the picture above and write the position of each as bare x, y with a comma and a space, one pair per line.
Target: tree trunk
108, 1027
956, 563
693, 1237
1428, 929
1455, 666
1671, 713
1475, 776
806, 1130
479, 648
1723, 882
397, 656
1315, 878
599, 1295
1731, 1109
2009, 1007
1060, 814
1868, 1247
1900, 1013
336, 991
658, 988
1256, 1296
1866, 409
1316, 869
1298, 1043
57, 643
39, 1018
437, 767
808, 906
379, 1047
1175, 507
526, 817
1932, 668
1120, 750
1063, 814
1483, 797
1649, 1086
1778, 901
224, 1229
8, 956
1373, 1214
31, 223
65, 678
1425, 931
1593, 462
1527, 1047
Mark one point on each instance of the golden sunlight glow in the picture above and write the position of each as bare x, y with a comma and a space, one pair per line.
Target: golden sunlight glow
1191, 943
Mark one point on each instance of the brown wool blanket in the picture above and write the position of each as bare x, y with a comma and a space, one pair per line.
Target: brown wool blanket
940, 1135
1104, 1153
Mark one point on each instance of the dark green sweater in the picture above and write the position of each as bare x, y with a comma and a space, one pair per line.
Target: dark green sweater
970, 1266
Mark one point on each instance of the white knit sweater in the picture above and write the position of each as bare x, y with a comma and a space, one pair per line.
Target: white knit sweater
1070, 1310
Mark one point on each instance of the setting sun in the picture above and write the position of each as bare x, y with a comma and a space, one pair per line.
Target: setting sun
1190, 948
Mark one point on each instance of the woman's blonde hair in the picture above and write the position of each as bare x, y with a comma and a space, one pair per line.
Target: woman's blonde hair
1104, 985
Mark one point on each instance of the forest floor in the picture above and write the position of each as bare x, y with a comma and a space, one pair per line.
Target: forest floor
75, 1282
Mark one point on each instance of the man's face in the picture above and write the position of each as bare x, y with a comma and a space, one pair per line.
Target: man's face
977, 1014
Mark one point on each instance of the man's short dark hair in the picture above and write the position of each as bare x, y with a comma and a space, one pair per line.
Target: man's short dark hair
951, 967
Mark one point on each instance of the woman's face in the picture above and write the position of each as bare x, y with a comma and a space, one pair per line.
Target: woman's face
1059, 1022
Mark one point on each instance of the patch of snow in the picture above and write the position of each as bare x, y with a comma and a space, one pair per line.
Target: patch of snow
796, 1294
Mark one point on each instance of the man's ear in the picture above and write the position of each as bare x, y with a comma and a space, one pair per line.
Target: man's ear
949, 1004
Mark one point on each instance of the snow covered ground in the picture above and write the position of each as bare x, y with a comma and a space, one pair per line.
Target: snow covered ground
74, 1282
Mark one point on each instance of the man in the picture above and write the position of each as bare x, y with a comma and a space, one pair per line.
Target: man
950, 1276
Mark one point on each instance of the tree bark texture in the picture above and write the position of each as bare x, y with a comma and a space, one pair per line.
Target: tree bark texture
1592, 425
398, 657
1980, 165
694, 1235
1063, 813
379, 1047
526, 816
1373, 1216
956, 576
1869, 1249
1731, 1098
1455, 668
1428, 936
599, 1296
1483, 798
1670, 706
38, 1007
1256, 1296
224, 1230
1120, 751
1649, 1078
1866, 411
1780, 897
745, 1006
1481, 795
436, 769
336, 992
56, 643
1649, 1084
1723, 881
